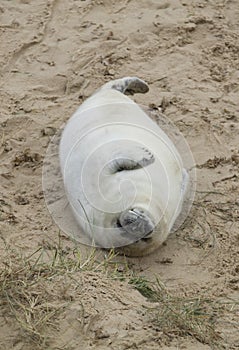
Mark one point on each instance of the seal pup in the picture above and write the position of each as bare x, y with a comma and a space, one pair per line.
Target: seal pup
123, 177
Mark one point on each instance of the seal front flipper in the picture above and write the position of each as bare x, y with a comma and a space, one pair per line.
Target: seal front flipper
128, 85
132, 159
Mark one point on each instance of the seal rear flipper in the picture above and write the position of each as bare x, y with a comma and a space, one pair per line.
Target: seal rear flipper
131, 160
128, 85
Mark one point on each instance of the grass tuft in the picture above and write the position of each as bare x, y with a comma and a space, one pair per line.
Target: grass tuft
181, 315
143, 286
36, 289
27, 286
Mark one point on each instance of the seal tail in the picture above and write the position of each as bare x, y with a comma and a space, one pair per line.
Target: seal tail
128, 85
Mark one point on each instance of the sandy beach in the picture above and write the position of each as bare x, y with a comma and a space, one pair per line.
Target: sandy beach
53, 55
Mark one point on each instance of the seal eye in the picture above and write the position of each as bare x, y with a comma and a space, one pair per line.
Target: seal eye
118, 224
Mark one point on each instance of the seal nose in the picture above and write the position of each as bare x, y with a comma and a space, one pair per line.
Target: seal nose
137, 222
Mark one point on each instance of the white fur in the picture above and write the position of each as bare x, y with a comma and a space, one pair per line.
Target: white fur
94, 136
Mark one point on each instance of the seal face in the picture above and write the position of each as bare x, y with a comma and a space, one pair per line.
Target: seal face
123, 176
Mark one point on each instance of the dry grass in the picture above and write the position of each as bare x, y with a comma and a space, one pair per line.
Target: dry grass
28, 294
181, 315
27, 286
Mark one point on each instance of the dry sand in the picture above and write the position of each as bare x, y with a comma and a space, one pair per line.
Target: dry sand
53, 55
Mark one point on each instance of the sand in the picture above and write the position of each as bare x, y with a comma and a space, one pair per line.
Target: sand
53, 55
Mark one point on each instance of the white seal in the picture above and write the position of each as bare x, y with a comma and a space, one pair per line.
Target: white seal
123, 176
